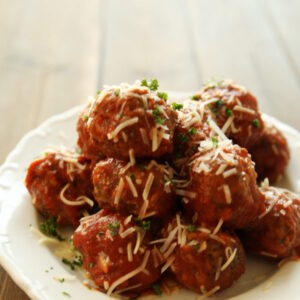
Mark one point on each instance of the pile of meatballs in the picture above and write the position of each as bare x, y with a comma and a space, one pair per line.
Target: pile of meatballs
161, 188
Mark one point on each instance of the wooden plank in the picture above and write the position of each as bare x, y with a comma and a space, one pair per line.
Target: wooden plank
283, 17
149, 39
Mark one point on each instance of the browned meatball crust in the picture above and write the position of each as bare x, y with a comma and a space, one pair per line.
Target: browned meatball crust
129, 117
60, 186
144, 189
222, 185
89, 146
234, 109
116, 252
205, 258
277, 230
271, 154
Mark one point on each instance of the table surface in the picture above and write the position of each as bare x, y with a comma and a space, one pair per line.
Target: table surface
53, 54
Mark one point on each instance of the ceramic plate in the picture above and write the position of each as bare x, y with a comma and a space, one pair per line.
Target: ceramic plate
33, 266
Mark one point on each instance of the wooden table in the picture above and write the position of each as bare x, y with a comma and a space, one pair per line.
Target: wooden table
53, 54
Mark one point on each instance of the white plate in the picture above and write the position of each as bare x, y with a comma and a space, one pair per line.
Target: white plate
26, 261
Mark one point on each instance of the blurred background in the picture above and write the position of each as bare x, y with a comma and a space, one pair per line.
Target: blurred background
53, 54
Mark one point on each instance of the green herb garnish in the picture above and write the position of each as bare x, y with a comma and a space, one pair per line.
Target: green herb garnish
85, 118
177, 106
117, 93
49, 227
191, 228
66, 294
194, 97
228, 112
182, 138
156, 289
151, 84
256, 123
162, 95
215, 141
212, 83
146, 225
61, 280
192, 131
114, 228
157, 115
76, 262
142, 167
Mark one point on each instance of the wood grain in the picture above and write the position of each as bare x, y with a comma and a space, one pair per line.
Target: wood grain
53, 54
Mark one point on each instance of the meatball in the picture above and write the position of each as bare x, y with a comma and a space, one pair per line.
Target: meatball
222, 185
205, 259
270, 154
60, 186
128, 117
143, 189
191, 128
277, 230
116, 252
234, 109
85, 142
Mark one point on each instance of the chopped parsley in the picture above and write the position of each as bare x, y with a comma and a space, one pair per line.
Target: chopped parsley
157, 115
146, 225
151, 84
49, 228
142, 167
113, 227
100, 233
191, 228
216, 106
156, 289
213, 82
194, 97
215, 141
162, 95
66, 294
61, 280
91, 264
192, 131
256, 123
177, 106
98, 92
228, 112
85, 118
76, 262
132, 176
182, 138
117, 92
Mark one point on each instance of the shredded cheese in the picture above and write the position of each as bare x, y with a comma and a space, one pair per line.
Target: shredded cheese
121, 126
119, 191
244, 109
229, 260
129, 252
131, 186
227, 193
218, 227
130, 274
230, 172
81, 200
148, 186
167, 264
